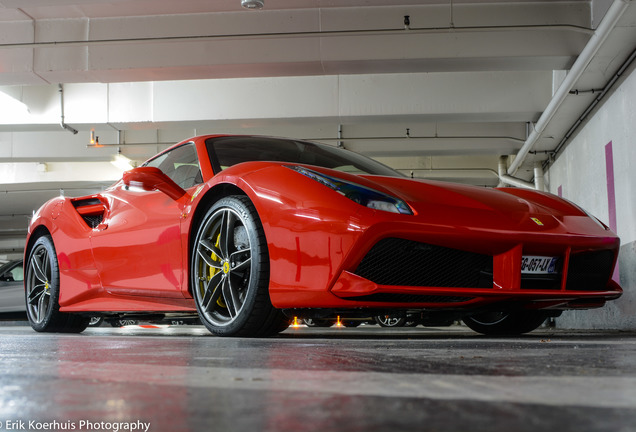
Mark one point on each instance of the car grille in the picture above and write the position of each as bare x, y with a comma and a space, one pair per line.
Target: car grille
394, 261
589, 271
542, 282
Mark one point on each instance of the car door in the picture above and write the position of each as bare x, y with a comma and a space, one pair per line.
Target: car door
137, 248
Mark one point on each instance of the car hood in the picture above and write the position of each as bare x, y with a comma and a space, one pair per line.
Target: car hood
428, 192
464, 205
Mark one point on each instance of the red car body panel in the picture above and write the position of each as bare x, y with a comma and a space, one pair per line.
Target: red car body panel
137, 257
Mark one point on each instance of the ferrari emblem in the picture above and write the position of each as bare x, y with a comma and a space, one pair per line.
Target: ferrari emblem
226, 267
537, 221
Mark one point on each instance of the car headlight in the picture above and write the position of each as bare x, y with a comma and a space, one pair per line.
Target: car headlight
362, 195
588, 214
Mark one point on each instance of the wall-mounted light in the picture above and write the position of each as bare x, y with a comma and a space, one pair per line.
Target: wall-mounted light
253, 4
94, 140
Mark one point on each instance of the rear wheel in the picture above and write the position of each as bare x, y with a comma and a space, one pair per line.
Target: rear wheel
505, 323
95, 321
390, 320
122, 322
230, 272
310, 322
42, 292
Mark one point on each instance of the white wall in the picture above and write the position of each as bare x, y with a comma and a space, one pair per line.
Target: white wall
583, 174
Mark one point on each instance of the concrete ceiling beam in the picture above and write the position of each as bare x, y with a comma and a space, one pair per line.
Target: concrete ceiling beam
300, 41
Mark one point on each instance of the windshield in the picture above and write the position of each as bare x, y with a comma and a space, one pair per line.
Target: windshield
227, 151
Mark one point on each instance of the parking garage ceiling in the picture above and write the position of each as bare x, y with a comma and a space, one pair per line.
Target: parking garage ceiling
440, 88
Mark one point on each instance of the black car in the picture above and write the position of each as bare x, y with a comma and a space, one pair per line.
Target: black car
12, 288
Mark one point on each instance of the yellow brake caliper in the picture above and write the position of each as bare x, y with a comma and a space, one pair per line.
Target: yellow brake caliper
214, 271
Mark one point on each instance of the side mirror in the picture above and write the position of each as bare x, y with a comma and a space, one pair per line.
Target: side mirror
151, 178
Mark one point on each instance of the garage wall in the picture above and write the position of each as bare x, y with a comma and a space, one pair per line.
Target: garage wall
596, 171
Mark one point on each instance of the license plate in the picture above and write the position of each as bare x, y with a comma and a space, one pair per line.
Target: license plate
538, 265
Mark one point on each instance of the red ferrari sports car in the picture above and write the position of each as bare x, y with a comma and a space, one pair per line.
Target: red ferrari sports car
246, 231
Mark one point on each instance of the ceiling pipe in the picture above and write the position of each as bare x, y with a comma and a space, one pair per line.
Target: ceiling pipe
539, 182
408, 137
430, 171
606, 25
133, 144
505, 179
513, 181
64, 125
601, 94
502, 167
304, 34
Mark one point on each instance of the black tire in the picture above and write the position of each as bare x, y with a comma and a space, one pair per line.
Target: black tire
230, 272
390, 320
42, 292
95, 321
351, 324
412, 320
505, 323
122, 322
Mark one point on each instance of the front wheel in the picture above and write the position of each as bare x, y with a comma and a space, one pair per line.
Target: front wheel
230, 272
42, 292
505, 323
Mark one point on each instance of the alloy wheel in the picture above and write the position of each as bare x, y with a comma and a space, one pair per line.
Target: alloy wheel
222, 266
39, 285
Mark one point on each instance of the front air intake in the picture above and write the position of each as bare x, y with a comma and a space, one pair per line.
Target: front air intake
395, 261
590, 271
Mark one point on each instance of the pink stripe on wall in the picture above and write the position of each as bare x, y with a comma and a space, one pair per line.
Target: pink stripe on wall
611, 194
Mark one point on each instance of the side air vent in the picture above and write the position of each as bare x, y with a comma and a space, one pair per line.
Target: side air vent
91, 210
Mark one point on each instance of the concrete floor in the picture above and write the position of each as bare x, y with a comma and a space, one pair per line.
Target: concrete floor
182, 379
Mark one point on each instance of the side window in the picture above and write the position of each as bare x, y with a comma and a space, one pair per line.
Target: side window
13, 275
181, 165
18, 273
